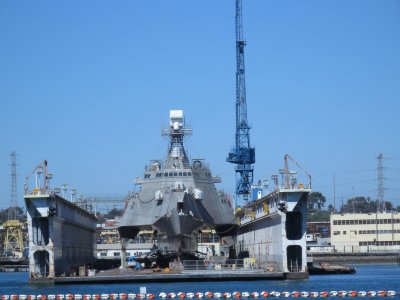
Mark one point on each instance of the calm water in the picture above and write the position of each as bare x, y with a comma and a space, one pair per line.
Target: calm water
368, 277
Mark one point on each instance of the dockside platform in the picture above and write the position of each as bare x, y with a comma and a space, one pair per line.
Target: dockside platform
122, 276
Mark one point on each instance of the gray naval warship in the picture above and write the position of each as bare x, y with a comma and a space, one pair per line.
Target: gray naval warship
176, 198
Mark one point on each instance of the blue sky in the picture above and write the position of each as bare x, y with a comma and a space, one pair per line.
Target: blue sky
88, 85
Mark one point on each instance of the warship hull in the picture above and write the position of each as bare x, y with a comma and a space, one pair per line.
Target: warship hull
272, 230
62, 236
177, 197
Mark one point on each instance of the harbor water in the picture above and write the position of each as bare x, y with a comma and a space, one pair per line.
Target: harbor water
368, 278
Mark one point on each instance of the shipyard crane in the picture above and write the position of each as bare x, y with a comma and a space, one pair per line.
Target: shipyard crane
242, 155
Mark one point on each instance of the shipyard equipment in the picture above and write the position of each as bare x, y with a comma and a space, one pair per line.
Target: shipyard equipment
242, 155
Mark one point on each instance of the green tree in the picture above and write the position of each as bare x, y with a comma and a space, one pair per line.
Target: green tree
115, 212
315, 201
363, 205
359, 205
319, 216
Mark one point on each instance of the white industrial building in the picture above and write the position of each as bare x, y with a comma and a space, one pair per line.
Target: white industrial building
372, 232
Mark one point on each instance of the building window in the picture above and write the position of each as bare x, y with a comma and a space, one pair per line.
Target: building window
336, 233
116, 253
344, 232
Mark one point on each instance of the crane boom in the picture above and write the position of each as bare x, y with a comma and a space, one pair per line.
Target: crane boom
242, 154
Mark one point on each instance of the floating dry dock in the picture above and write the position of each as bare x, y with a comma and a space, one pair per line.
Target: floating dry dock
62, 236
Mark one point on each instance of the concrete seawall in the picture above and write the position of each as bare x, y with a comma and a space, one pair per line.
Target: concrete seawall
357, 258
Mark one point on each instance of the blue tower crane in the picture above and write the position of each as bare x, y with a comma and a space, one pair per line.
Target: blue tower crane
242, 155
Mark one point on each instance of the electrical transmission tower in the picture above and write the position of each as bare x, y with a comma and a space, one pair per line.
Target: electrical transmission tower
380, 205
242, 154
12, 211
13, 241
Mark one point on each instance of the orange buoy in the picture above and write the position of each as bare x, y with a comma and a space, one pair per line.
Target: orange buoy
236, 294
254, 294
264, 294
381, 293
295, 294
324, 294
352, 293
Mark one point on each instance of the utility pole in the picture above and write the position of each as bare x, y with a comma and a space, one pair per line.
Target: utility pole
380, 205
334, 193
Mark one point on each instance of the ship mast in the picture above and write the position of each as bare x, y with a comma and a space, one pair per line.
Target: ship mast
176, 133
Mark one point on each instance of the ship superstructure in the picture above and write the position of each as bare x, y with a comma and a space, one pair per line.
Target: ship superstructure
62, 236
177, 197
273, 228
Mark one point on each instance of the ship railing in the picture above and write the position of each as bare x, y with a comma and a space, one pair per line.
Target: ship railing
209, 265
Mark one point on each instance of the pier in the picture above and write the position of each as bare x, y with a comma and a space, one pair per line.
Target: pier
143, 276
